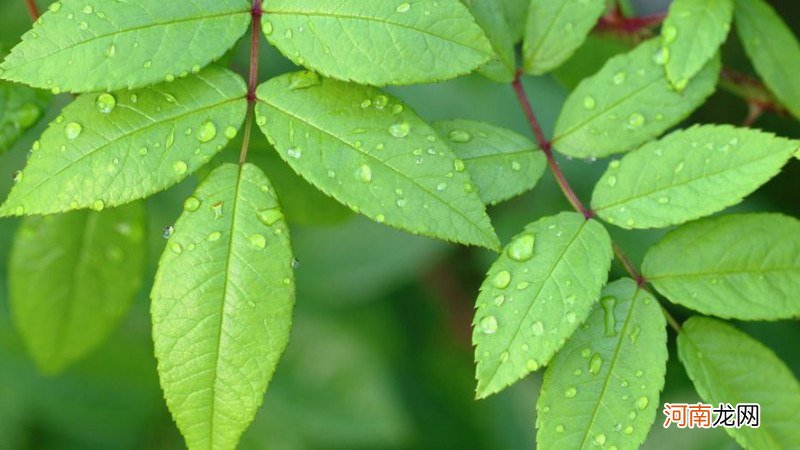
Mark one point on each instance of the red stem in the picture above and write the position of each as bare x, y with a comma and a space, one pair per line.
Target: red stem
547, 148
252, 82
33, 10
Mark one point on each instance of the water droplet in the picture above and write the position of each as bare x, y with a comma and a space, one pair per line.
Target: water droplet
17, 177
521, 286
397, 109
521, 248
217, 208
642, 402
502, 279
515, 166
106, 103
459, 165
662, 56
55, 7
143, 151
620, 77
294, 152
207, 132
403, 7
570, 392
400, 129
167, 232
499, 300
595, 364
365, 173
589, 103
258, 241
191, 204
381, 101
636, 120
611, 181
628, 430
180, 167
634, 334
608, 302
111, 50
678, 168
488, 325
73, 130
460, 136
600, 439
559, 429
531, 364
270, 216
503, 357
537, 328
669, 34
97, 205
230, 132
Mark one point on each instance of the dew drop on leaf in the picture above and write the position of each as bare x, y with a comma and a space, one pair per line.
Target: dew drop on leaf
180, 167
191, 204
168, 231
488, 325
570, 392
608, 302
595, 364
97, 205
460, 136
258, 241
400, 129
365, 173
403, 7
106, 103
269, 216
207, 132
73, 130
521, 248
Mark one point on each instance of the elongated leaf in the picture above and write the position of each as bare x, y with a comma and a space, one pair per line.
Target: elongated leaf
222, 305
687, 175
628, 103
740, 266
536, 295
516, 12
692, 33
20, 108
773, 49
602, 388
555, 29
410, 42
491, 16
729, 367
72, 277
82, 47
110, 149
502, 163
374, 154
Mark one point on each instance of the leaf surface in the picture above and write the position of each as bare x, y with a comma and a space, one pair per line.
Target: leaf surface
687, 175
374, 154
602, 388
773, 49
110, 149
20, 109
80, 47
627, 103
744, 266
692, 33
501, 163
222, 305
555, 29
378, 42
491, 16
72, 277
536, 295
728, 366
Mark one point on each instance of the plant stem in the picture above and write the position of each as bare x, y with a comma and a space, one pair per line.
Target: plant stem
33, 10
252, 82
569, 193
546, 147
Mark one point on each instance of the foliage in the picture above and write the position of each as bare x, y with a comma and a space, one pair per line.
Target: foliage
160, 103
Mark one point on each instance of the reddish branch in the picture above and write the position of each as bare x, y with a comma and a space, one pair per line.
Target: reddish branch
615, 21
252, 82
33, 10
569, 193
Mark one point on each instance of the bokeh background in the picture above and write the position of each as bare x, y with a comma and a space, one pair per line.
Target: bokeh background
380, 354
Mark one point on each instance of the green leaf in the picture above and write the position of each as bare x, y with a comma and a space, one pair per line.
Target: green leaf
415, 41
602, 388
728, 366
20, 108
502, 164
628, 103
745, 266
555, 29
110, 45
491, 17
535, 296
222, 305
591, 57
687, 175
72, 277
371, 152
773, 49
516, 12
692, 33
110, 149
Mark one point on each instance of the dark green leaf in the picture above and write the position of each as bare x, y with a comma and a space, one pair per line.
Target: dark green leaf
20, 108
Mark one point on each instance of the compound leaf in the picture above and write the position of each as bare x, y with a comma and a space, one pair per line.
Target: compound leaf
627, 103
20, 108
78, 47
773, 49
415, 41
222, 305
602, 388
72, 277
555, 29
501, 163
729, 367
374, 154
745, 266
109, 149
692, 33
491, 16
688, 174
535, 296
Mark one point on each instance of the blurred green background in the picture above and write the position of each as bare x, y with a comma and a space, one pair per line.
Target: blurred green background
380, 354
